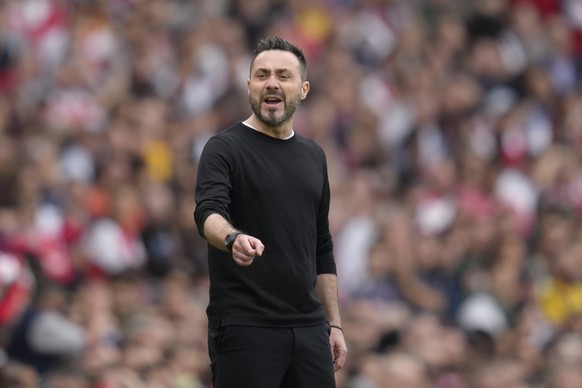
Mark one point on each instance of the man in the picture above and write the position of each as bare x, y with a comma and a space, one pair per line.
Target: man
262, 203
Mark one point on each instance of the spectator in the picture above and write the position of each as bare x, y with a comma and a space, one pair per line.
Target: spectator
45, 337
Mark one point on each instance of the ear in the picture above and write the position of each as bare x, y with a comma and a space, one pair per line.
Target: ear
305, 89
249, 87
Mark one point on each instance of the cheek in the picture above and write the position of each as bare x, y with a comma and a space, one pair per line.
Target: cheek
293, 92
254, 88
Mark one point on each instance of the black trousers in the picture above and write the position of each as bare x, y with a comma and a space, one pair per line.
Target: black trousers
268, 357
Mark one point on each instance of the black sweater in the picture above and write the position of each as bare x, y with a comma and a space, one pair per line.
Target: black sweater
277, 191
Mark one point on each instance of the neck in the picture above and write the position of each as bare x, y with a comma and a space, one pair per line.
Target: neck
283, 131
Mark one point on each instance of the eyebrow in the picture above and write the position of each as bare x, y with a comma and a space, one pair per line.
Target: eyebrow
277, 71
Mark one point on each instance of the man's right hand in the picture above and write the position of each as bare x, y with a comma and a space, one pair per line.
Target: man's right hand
245, 249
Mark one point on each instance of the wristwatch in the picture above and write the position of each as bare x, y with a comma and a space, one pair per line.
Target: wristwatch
229, 240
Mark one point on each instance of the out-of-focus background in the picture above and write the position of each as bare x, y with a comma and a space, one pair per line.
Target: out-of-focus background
453, 131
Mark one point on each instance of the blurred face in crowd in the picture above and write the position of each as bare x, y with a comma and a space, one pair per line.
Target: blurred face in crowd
276, 87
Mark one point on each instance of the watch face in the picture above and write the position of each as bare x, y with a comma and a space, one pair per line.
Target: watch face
228, 239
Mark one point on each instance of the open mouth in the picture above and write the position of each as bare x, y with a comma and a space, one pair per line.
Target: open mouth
272, 101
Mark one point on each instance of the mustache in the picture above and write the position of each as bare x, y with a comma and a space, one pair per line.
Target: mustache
273, 94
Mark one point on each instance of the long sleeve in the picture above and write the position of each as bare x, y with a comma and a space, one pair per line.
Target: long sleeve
324, 250
213, 183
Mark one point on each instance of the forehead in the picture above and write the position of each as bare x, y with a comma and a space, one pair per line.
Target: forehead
276, 60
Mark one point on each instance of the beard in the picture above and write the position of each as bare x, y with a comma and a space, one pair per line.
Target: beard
271, 119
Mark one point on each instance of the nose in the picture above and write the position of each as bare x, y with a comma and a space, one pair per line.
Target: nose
272, 82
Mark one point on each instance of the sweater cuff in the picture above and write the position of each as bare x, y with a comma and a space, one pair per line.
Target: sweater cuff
326, 264
200, 218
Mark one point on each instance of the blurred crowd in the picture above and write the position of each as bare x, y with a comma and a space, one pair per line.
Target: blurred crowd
453, 132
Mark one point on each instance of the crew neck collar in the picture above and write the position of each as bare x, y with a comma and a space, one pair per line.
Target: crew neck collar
284, 138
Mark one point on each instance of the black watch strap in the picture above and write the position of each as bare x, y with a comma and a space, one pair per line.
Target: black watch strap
229, 240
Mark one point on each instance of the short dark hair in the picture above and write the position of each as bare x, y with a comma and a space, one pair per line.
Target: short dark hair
278, 43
